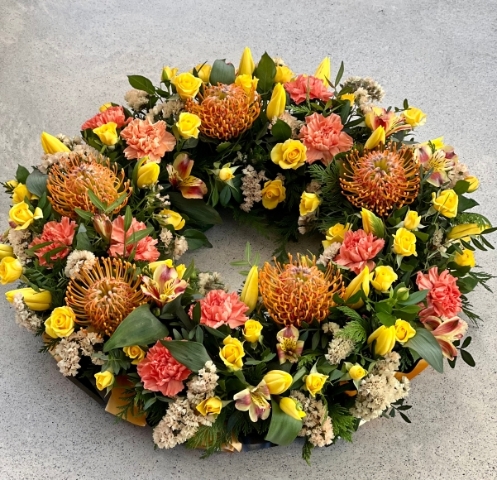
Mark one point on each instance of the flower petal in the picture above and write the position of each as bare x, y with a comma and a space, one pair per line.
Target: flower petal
183, 164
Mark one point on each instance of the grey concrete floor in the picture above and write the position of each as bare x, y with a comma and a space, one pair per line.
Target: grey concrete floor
60, 60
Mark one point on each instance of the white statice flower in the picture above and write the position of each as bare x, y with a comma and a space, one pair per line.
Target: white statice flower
210, 281
19, 240
330, 327
180, 247
166, 236
49, 159
339, 349
166, 109
373, 89
251, 187
67, 354
136, 99
24, 316
329, 253
77, 260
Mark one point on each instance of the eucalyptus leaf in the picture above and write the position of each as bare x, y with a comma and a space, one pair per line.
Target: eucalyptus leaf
222, 72
36, 183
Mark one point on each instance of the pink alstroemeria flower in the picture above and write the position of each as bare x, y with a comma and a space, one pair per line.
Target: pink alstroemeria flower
446, 331
289, 347
180, 178
439, 162
392, 123
255, 401
165, 285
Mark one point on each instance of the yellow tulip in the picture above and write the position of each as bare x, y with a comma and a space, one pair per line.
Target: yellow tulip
210, 406
37, 301
385, 340
474, 183
107, 133
323, 72
356, 372
309, 202
372, 224
292, 408
278, 381
314, 382
203, 72
148, 175
10, 270
463, 230
61, 322
51, 144
360, 282
104, 379
465, 259
252, 331
446, 203
277, 104
247, 65
250, 292
377, 137
6, 251
22, 216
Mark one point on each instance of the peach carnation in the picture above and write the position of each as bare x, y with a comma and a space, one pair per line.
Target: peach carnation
444, 297
112, 114
147, 139
161, 372
324, 138
304, 85
220, 308
358, 250
61, 235
145, 249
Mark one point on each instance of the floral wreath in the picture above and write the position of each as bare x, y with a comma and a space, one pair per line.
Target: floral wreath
312, 346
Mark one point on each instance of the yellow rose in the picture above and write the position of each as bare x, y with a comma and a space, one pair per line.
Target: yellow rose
335, 234
377, 137
404, 243
180, 269
210, 406
135, 353
474, 183
276, 105
188, 124
308, 203
323, 72
412, 220
104, 379
465, 259
51, 144
104, 107
22, 216
226, 174
283, 74
37, 301
403, 331
203, 72
174, 219
360, 282
20, 192
291, 154
10, 270
248, 83
6, 251
186, 85
168, 74
278, 381
273, 193
464, 230
148, 174
247, 65
252, 331
232, 353
314, 382
292, 408
384, 276
60, 323
356, 372
107, 133
446, 203
250, 292
385, 340
415, 117
348, 96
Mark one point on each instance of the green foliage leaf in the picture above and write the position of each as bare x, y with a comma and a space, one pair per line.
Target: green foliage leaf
196, 239
466, 356
196, 210
281, 130
461, 187
82, 240
37, 183
222, 72
191, 354
22, 174
339, 74
415, 298
465, 203
141, 83
283, 429
426, 346
386, 319
265, 72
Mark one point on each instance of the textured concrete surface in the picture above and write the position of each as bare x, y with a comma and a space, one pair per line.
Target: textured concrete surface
60, 60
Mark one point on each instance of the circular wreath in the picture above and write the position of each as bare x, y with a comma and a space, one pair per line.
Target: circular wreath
312, 345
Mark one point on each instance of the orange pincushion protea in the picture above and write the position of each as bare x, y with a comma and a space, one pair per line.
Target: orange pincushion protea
70, 179
104, 295
298, 291
381, 179
225, 111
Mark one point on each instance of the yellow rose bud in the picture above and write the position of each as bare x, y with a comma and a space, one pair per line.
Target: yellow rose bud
6, 251
107, 133
51, 144
404, 243
314, 382
203, 72
360, 282
309, 202
403, 331
385, 340
148, 174
250, 292
292, 408
37, 301
210, 406
377, 137
168, 74
356, 372
248, 83
335, 234
323, 72
277, 104
232, 353
247, 65
474, 183
273, 193
135, 353
283, 74
278, 381
383, 278
291, 154
188, 124
446, 203
104, 107
226, 174
60, 323
465, 259
186, 85
104, 379
464, 230
10, 270
412, 220
22, 216
174, 219
180, 269
414, 117
252, 331
371, 223
348, 96
20, 192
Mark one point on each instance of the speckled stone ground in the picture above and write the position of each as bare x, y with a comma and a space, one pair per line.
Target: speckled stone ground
61, 60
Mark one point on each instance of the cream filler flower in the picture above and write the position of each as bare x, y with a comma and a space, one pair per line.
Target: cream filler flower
255, 401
